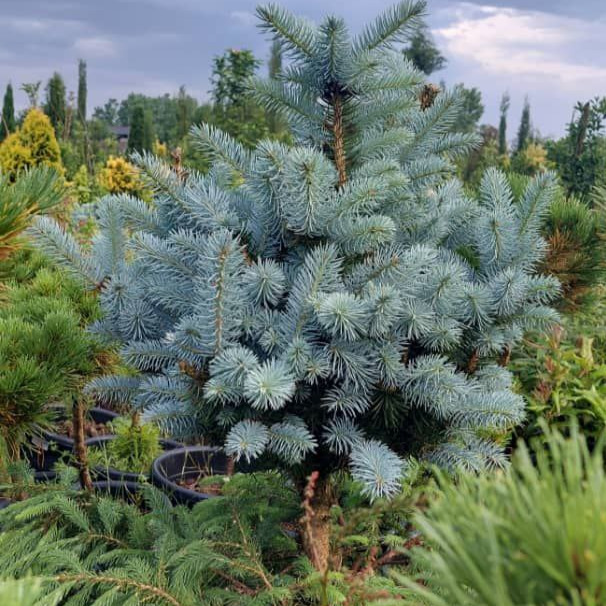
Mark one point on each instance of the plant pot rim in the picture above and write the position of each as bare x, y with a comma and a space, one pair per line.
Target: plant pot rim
180, 493
68, 443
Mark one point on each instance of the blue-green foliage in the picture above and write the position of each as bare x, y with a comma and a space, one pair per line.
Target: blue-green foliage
341, 299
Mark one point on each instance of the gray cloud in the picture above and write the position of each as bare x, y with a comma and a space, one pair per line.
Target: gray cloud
154, 46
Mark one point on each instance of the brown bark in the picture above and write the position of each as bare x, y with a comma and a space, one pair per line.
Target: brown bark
339, 141
315, 523
472, 364
80, 450
505, 357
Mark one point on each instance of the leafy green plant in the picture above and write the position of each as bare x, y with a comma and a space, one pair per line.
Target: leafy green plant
533, 536
563, 379
133, 449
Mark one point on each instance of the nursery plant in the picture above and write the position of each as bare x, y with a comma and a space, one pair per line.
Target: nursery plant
337, 304
535, 535
36, 191
576, 234
238, 549
45, 353
563, 375
133, 448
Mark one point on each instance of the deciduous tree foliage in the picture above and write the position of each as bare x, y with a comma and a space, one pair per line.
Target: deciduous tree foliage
341, 303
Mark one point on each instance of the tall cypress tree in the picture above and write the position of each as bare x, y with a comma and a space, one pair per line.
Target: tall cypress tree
8, 113
137, 127
505, 100
524, 130
55, 101
82, 90
149, 133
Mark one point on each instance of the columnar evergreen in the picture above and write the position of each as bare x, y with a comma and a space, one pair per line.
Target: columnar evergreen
136, 137
82, 90
55, 101
8, 113
505, 100
339, 304
524, 129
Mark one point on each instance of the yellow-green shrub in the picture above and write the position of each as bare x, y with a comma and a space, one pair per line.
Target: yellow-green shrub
120, 177
34, 144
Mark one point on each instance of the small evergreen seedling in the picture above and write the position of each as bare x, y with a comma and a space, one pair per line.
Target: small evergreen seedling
341, 303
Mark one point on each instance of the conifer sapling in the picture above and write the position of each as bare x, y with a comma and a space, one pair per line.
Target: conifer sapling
341, 303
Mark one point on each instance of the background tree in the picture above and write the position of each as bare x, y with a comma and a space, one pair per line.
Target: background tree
472, 109
82, 90
524, 131
8, 113
163, 110
185, 107
234, 110
504, 108
56, 102
580, 157
230, 76
108, 113
32, 90
149, 133
137, 128
423, 52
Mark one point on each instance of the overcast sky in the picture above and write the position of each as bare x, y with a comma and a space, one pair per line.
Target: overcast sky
552, 50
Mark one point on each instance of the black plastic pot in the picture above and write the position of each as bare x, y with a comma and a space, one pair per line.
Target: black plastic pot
44, 476
110, 473
4, 503
51, 447
187, 463
131, 492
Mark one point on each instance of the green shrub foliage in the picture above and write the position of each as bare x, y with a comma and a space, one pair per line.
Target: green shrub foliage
45, 353
337, 303
133, 449
239, 549
532, 536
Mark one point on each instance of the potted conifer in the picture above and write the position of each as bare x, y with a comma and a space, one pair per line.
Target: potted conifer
127, 454
341, 304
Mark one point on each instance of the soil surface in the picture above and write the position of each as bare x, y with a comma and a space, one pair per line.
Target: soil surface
205, 488
92, 429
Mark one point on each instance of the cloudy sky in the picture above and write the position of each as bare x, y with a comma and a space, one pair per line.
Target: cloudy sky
552, 50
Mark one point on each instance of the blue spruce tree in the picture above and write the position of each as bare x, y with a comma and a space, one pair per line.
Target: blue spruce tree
338, 304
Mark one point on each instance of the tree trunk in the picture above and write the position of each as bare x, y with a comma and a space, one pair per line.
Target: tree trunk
315, 523
505, 357
80, 450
